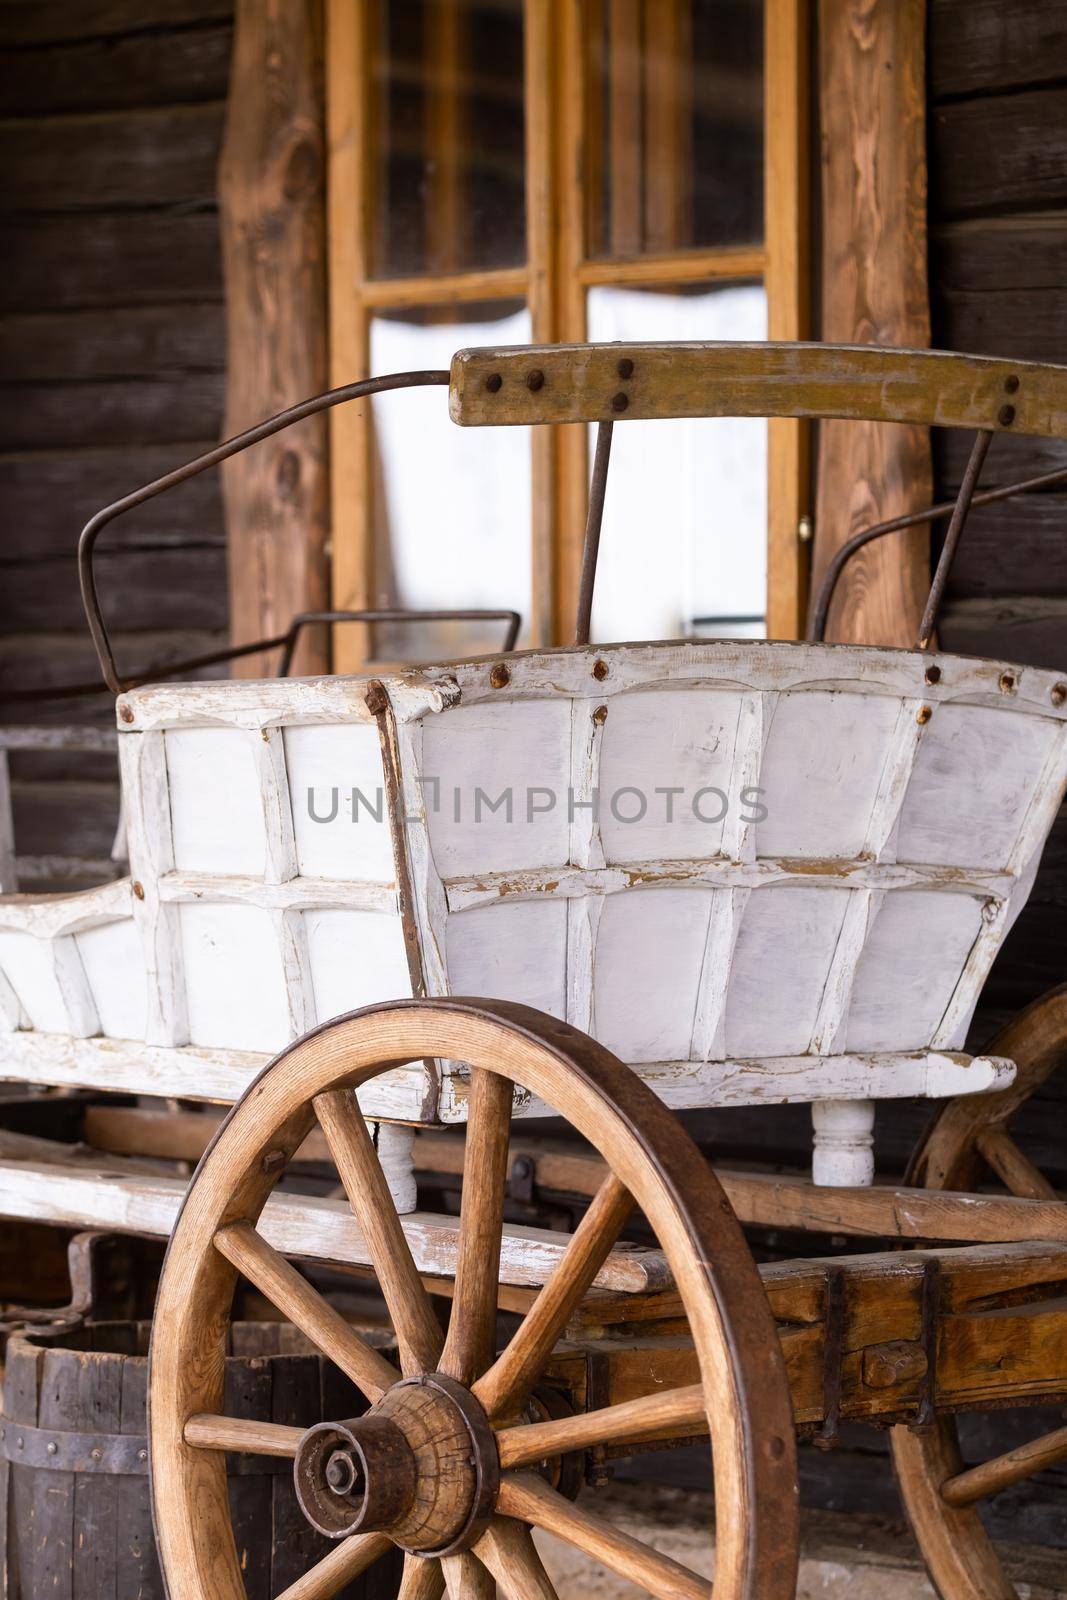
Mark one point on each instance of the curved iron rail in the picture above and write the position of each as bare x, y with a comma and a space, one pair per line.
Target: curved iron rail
914, 519
212, 458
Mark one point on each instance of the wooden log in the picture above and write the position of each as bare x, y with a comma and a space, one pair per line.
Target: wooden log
978, 45
118, 258
999, 152
161, 156
142, 410
50, 494
53, 22
157, 589
137, 341
872, 102
273, 222
144, 67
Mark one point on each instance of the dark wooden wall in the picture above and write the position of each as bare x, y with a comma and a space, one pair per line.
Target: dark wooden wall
997, 93
112, 349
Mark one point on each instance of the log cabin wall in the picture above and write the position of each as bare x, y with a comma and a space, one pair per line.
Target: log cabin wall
112, 341
997, 128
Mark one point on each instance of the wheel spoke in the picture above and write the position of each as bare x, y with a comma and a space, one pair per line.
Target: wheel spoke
509, 1380
243, 1435
345, 1562
472, 1325
677, 1411
466, 1578
422, 1579
1012, 1467
292, 1295
1016, 1171
418, 1334
532, 1500
508, 1551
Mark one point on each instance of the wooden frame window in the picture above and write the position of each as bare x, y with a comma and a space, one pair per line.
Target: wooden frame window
507, 168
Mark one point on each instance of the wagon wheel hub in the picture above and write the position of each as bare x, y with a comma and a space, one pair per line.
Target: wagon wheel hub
421, 1465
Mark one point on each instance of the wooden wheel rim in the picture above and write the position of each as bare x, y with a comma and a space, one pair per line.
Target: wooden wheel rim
961, 1557
746, 1391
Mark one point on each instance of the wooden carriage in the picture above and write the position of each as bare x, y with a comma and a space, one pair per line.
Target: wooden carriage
750, 872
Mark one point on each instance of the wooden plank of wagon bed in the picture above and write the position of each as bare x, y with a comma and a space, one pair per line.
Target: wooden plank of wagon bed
299, 1225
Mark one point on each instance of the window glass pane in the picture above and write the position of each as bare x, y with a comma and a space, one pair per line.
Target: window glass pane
684, 546
675, 132
448, 136
452, 505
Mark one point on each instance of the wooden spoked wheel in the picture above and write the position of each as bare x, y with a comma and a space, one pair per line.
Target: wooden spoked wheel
968, 1140
443, 1463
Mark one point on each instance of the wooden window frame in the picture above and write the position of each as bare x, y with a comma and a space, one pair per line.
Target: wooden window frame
554, 284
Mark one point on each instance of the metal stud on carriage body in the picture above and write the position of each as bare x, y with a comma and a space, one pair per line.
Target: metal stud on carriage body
754, 872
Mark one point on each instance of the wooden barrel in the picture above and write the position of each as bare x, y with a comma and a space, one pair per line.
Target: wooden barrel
74, 1464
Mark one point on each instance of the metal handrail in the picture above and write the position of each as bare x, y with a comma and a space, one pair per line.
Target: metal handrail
212, 458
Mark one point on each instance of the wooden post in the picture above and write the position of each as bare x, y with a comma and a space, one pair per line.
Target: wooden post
874, 291
271, 197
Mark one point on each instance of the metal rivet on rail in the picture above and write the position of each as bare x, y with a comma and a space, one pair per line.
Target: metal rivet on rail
500, 676
600, 670
924, 714
96, 1454
125, 711
1058, 693
1007, 683
535, 379
1006, 416
1011, 383
52, 1447
494, 383
619, 402
138, 890
600, 715
625, 368
933, 674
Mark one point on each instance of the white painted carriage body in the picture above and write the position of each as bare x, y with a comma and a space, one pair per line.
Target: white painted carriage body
579, 830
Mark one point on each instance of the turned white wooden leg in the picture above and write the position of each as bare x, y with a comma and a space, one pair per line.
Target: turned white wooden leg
843, 1150
396, 1155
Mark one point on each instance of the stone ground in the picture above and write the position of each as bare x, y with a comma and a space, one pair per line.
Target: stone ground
843, 1557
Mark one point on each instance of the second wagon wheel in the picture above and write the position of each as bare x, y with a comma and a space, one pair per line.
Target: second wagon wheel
443, 1463
968, 1139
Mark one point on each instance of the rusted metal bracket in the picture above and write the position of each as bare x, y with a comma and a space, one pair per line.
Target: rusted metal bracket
929, 1318
55, 1321
833, 1357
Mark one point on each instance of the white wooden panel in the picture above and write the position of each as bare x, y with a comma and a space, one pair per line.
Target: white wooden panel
514, 951
30, 970
215, 805
660, 741
357, 958
114, 965
235, 978
328, 764
272, 780
143, 764
914, 955
521, 747
649, 956
12, 1015
975, 773
781, 960
822, 764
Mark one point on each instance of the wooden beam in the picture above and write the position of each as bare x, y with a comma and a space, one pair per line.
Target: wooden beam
872, 104
272, 210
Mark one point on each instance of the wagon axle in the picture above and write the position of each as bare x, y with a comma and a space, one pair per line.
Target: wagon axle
420, 1465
